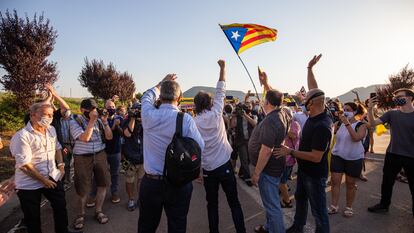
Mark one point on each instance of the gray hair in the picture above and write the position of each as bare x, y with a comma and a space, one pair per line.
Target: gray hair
170, 91
36, 106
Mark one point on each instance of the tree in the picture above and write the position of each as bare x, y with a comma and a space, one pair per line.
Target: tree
24, 47
403, 79
104, 81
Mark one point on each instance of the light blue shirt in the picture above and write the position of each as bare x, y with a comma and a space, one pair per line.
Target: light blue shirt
159, 128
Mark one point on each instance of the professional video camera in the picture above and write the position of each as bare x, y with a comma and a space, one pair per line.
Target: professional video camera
102, 112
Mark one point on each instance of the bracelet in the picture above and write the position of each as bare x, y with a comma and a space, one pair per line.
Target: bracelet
291, 152
60, 164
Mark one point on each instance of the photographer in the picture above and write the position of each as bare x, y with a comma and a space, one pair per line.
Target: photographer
113, 151
243, 123
90, 159
400, 152
133, 152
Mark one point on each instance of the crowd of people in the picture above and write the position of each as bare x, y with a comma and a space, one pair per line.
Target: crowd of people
269, 138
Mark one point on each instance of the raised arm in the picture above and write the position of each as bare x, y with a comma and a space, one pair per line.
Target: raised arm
62, 103
264, 80
218, 104
311, 77
371, 118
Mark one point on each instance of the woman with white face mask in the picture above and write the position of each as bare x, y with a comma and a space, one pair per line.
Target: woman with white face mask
347, 155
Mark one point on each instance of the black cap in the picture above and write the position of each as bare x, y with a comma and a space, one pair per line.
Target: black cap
89, 104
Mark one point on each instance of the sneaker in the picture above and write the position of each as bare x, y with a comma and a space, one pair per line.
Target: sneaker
90, 202
115, 199
294, 229
131, 205
378, 208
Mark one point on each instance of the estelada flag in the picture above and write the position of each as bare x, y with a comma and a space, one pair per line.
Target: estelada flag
245, 36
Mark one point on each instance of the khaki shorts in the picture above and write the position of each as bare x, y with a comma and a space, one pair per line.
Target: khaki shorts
85, 167
134, 172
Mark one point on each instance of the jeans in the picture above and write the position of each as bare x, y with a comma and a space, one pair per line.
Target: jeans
392, 166
269, 192
244, 161
312, 189
114, 161
30, 204
223, 176
156, 195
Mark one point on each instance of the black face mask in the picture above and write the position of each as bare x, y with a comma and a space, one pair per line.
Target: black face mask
111, 112
86, 114
400, 101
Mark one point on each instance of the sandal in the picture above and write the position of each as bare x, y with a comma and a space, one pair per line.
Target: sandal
79, 222
333, 209
260, 229
101, 217
348, 212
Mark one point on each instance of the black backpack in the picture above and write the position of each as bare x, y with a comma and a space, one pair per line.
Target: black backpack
182, 158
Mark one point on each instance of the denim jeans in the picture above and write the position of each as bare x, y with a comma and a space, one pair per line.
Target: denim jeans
30, 204
156, 195
312, 189
114, 161
223, 176
269, 192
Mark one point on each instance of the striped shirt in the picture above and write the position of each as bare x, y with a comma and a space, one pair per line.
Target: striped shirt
29, 146
95, 143
65, 131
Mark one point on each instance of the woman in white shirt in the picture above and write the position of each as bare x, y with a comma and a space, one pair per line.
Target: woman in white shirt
347, 155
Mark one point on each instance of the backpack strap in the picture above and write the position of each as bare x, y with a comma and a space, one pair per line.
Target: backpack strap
80, 122
179, 124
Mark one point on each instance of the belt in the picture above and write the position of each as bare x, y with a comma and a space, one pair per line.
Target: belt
154, 177
91, 154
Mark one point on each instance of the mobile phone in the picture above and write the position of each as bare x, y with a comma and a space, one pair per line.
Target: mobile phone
372, 95
285, 94
229, 97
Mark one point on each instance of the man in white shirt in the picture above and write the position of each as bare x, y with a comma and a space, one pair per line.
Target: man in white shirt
159, 128
217, 168
36, 150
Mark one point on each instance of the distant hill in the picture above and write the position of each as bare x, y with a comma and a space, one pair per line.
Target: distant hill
194, 90
349, 96
362, 91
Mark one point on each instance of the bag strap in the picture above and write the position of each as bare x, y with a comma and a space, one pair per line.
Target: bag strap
179, 124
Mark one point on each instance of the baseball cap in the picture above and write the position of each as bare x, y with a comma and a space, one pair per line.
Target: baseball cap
88, 104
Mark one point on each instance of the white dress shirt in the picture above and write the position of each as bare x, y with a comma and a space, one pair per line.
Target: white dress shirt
30, 146
211, 126
159, 129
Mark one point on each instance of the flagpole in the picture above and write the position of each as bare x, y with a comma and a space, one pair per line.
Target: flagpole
248, 73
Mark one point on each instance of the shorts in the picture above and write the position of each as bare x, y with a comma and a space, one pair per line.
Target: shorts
134, 172
88, 166
352, 168
285, 175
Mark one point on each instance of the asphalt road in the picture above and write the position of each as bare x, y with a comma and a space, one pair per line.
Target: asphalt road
398, 220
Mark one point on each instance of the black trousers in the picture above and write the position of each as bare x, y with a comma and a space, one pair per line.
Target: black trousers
223, 176
392, 166
30, 204
156, 195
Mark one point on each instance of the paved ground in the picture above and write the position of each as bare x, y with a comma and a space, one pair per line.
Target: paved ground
398, 220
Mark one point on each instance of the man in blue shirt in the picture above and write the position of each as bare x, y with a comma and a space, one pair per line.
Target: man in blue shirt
159, 128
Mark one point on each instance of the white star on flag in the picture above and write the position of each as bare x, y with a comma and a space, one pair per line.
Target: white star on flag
235, 35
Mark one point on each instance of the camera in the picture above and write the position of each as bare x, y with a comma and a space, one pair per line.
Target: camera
135, 113
239, 110
102, 112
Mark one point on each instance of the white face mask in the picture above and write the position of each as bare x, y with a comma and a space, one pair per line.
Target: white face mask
349, 115
45, 122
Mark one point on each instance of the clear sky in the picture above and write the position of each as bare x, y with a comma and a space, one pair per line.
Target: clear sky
362, 42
